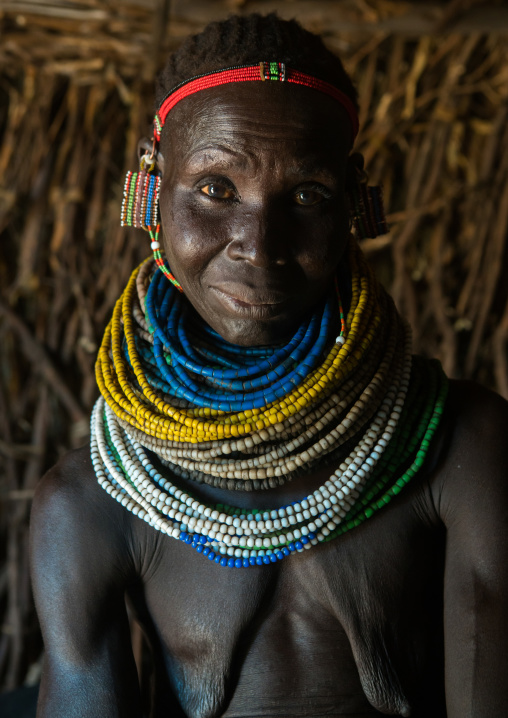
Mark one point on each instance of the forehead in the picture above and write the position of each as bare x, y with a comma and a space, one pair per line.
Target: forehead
249, 118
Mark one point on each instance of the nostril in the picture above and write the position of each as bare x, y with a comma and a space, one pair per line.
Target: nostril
256, 253
259, 251
260, 237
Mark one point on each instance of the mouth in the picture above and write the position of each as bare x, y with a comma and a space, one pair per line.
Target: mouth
244, 301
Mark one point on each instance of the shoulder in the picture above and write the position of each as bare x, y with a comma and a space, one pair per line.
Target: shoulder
473, 472
476, 409
70, 490
73, 519
72, 475
81, 566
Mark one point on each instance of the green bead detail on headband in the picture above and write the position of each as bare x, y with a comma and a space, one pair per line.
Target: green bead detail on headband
273, 71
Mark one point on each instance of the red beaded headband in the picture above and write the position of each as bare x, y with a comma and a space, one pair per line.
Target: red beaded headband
263, 71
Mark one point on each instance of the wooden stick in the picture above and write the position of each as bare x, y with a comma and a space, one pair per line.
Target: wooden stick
37, 356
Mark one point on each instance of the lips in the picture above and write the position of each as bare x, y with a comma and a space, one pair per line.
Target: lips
256, 303
252, 296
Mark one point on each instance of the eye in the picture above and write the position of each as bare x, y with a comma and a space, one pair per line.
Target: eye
218, 190
308, 197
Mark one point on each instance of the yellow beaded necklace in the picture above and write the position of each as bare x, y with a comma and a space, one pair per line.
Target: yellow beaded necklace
148, 412
369, 410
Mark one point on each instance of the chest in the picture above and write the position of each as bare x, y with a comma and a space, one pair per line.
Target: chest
358, 616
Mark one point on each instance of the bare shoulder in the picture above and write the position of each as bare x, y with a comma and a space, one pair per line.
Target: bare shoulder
473, 473
69, 491
73, 520
81, 564
70, 480
477, 408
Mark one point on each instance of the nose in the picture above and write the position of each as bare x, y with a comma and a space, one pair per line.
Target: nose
259, 237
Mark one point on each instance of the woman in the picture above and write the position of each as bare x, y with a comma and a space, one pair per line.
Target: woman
306, 520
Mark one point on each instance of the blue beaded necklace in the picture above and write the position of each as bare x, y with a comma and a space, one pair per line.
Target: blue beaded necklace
239, 378
376, 415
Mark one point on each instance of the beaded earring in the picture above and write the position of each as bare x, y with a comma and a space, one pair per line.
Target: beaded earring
140, 207
366, 207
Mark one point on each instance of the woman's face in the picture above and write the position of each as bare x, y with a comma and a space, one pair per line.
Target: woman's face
253, 205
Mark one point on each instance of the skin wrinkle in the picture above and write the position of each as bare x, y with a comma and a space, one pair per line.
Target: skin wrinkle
225, 101
204, 698
428, 509
148, 553
209, 159
248, 237
370, 629
247, 636
290, 617
378, 675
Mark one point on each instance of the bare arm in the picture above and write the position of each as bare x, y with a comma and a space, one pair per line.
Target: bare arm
79, 570
474, 506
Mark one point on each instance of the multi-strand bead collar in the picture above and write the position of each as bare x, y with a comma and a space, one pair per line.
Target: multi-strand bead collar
179, 402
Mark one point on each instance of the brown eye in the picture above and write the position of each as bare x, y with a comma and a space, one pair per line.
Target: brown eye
218, 191
307, 197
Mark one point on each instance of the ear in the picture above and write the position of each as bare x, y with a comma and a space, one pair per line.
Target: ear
354, 169
148, 146
365, 202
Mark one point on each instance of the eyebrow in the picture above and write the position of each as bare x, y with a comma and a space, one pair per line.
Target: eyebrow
206, 152
226, 156
310, 167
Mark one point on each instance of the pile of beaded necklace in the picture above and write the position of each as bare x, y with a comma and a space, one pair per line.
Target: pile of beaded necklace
256, 418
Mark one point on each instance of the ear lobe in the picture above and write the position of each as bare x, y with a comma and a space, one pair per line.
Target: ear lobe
144, 146
148, 147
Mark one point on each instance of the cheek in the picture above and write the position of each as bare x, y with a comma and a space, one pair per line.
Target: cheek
190, 240
321, 242
193, 236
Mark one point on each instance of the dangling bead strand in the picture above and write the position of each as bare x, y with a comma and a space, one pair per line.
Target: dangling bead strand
159, 260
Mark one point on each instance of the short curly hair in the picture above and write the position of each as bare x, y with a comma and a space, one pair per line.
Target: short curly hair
249, 39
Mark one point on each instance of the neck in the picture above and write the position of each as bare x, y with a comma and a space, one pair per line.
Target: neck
335, 438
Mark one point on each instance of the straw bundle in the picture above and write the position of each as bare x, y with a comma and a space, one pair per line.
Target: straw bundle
75, 95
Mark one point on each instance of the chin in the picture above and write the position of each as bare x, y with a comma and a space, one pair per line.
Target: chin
251, 333
248, 324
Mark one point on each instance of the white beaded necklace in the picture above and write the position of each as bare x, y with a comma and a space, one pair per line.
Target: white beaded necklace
360, 417
155, 499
